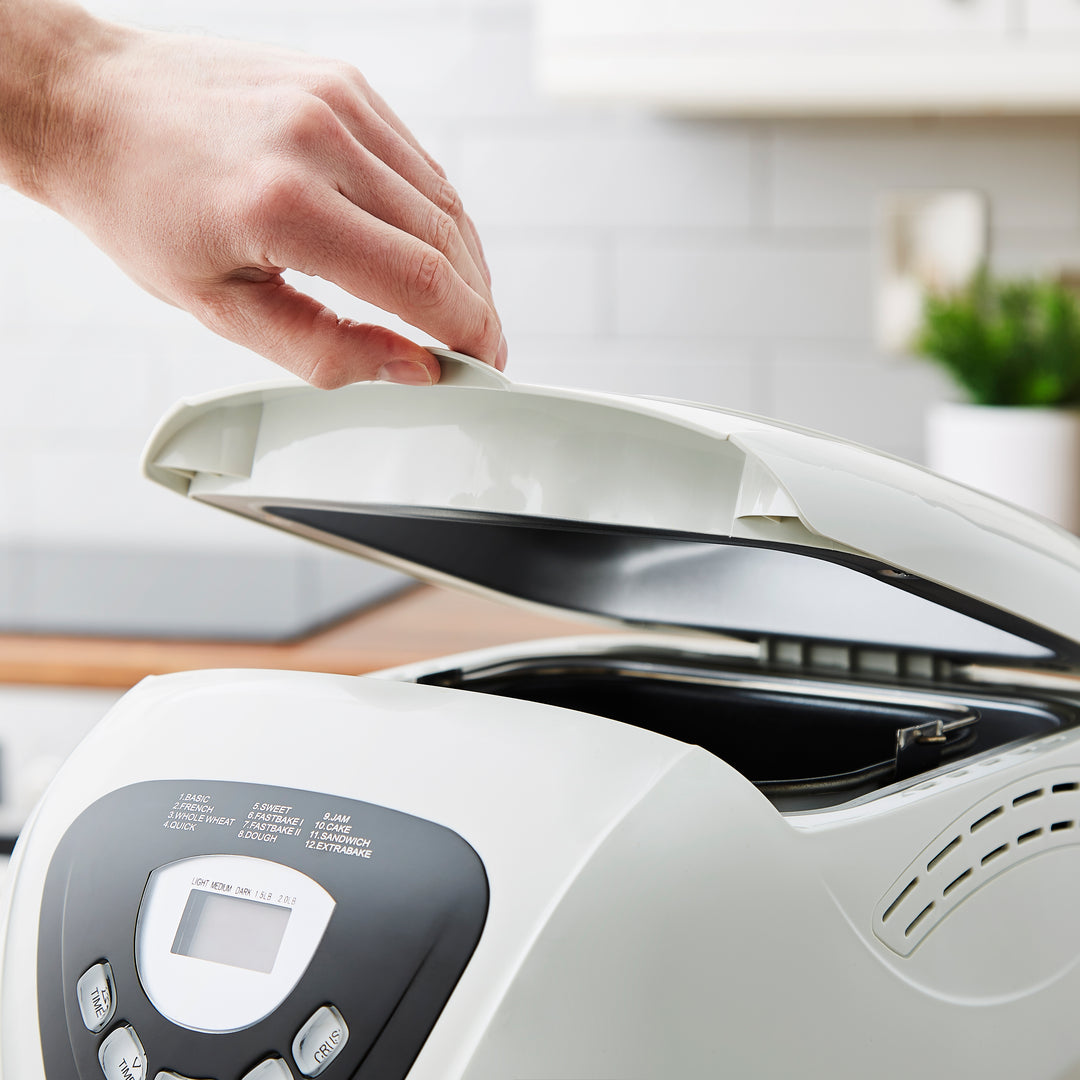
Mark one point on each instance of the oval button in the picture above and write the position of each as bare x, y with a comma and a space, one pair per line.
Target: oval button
320, 1040
96, 996
121, 1055
271, 1068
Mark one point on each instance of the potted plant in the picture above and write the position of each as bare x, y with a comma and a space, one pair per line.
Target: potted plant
1014, 349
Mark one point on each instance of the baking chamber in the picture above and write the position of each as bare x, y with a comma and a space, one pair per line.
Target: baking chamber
804, 742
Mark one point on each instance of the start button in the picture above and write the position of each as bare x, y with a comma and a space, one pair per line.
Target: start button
320, 1040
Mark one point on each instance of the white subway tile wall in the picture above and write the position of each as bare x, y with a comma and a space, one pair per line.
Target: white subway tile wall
719, 260
828, 175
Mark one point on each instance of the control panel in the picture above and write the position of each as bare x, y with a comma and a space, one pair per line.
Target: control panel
214, 930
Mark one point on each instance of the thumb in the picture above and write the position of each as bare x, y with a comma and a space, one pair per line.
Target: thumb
305, 337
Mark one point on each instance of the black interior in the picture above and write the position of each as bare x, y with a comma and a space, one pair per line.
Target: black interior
801, 749
651, 578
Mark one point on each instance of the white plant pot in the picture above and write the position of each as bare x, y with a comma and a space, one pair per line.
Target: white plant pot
1029, 456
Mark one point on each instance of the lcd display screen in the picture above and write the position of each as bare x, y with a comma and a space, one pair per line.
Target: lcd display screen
231, 930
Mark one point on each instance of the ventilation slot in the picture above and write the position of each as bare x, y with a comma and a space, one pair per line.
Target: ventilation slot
955, 843
995, 835
1029, 797
900, 899
987, 818
918, 919
957, 881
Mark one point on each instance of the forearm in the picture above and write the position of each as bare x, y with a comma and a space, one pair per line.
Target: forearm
47, 49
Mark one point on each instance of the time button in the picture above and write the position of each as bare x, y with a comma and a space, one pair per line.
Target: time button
121, 1055
96, 996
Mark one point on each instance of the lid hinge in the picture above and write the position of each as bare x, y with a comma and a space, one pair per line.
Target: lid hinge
797, 654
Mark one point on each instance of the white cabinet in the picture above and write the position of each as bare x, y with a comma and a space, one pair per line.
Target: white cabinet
818, 19
815, 56
1052, 17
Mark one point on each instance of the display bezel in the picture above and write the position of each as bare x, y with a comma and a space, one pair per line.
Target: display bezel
213, 996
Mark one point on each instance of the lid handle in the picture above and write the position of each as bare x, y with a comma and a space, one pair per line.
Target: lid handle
461, 370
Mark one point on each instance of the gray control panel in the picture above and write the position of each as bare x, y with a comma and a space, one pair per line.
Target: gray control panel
210, 930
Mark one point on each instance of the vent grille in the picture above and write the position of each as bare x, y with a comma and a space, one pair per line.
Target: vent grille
1021, 821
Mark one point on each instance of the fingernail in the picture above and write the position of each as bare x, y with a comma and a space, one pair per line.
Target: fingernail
502, 354
409, 372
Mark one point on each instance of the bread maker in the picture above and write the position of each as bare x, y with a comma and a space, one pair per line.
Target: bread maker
812, 811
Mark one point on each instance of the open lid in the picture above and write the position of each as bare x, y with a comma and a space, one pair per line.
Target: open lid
635, 512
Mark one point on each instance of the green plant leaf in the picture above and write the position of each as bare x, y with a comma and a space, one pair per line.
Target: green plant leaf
1009, 342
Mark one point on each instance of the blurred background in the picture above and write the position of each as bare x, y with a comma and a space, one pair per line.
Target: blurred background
687, 199
727, 259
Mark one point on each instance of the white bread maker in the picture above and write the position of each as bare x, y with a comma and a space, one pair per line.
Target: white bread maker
814, 810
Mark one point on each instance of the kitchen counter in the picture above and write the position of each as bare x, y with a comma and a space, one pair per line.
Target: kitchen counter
422, 623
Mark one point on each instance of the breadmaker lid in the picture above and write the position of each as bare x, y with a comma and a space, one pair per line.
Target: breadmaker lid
635, 512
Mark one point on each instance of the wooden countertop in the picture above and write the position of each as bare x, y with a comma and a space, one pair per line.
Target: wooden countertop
421, 624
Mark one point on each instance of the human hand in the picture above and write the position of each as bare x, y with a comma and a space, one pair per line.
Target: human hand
207, 167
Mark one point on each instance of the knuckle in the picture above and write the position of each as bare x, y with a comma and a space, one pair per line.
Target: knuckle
310, 121
350, 76
429, 279
329, 83
443, 232
339, 85
449, 201
273, 198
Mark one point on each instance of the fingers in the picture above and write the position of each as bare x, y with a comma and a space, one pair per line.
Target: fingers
377, 235
300, 224
475, 237
306, 338
369, 183
395, 122
376, 126
410, 162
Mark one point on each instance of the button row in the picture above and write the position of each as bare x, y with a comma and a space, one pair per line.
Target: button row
122, 1057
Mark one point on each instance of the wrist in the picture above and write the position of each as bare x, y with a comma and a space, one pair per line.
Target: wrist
50, 53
